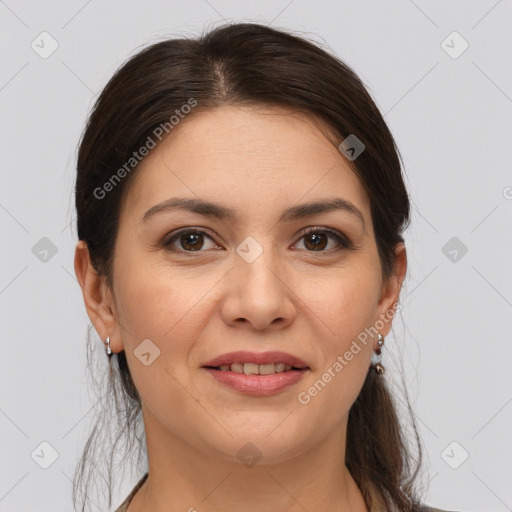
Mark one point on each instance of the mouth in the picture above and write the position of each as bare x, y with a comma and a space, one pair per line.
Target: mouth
259, 374
248, 362
257, 369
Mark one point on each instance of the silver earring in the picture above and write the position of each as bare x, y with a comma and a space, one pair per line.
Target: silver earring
109, 350
376, 356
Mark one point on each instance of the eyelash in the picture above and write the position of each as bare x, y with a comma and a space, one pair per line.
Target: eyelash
341, 239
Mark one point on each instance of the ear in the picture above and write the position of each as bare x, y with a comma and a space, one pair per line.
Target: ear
98, 298
390, 291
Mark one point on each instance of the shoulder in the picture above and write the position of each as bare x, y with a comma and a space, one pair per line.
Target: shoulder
378, 503
126, 502
426, 508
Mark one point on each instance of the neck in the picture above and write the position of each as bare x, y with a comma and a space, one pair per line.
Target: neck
182, 478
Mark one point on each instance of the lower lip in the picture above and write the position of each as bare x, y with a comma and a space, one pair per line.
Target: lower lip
261, 385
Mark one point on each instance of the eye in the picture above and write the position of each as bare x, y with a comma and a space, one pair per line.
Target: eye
316, 239
189, 239
192, 240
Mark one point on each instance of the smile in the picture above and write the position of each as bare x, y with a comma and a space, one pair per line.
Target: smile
256, 369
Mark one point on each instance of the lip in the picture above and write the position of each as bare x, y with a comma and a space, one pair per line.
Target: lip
260, 385
244, 356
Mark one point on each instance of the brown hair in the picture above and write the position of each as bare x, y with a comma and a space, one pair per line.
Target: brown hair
247, 64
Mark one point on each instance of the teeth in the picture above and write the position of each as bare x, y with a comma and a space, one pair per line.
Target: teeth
267, 369
256, 369
251, 369
236, 367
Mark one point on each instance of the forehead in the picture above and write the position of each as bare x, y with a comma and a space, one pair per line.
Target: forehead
252, 159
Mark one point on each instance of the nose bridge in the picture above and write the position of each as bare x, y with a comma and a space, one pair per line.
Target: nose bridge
256, 255
260, 272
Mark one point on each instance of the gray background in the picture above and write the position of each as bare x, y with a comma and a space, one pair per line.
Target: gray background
452, 119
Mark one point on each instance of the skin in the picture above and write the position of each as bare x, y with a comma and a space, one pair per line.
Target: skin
199, 304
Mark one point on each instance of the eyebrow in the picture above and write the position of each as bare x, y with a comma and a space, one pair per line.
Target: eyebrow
214, 210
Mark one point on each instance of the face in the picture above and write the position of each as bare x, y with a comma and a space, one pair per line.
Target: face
190, 286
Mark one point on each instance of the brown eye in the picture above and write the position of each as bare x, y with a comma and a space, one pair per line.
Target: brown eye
187, 241
317, 239
192, 241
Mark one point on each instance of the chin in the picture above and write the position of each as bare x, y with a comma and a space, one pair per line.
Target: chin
261, 445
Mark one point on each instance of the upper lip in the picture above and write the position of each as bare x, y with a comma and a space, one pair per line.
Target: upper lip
244, 356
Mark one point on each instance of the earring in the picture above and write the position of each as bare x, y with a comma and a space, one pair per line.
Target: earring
376, 356
108, 349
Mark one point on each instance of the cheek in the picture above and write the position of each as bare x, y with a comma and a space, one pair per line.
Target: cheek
172, 306
346, 311
346, 305
156, 301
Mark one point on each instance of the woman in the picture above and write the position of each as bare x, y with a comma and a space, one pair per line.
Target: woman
240, 209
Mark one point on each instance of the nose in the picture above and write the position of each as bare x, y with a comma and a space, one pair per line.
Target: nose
259, 293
